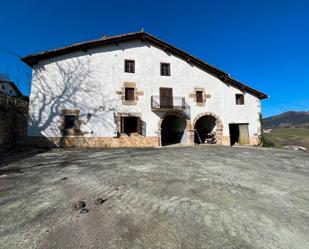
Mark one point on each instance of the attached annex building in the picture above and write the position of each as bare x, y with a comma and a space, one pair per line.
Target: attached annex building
136, 90
9, 88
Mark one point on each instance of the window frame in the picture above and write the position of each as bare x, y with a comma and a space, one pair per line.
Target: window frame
199, 97
138, 124
239, 99
129, 97
162, 64
127, 67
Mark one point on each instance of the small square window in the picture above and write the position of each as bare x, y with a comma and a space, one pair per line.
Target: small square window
165, 69
240, 99
199, 96
129, 93
129, 66
130, 124
69, 121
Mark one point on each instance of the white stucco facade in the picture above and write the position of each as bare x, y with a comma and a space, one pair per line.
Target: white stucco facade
90, 81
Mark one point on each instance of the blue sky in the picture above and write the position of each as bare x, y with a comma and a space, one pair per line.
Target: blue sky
264, 44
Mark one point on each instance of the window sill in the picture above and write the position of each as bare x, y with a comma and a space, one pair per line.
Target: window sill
129, 102
200, 104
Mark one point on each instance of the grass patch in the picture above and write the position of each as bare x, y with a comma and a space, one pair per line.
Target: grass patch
280, 137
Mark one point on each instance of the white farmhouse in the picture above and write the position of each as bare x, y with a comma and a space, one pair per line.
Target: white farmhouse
136, 90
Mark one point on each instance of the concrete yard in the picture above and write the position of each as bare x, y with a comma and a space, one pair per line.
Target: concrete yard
182, 197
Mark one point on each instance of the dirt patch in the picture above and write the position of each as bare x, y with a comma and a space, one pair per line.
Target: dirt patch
185, 197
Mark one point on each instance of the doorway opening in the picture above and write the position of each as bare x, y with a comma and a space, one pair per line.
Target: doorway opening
205, 130
173, 130
239, 134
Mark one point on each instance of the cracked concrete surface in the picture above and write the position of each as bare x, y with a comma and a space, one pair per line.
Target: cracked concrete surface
186, 197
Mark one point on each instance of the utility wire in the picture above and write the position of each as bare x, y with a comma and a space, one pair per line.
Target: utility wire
18, 75
10, 52
289, 103
279, 107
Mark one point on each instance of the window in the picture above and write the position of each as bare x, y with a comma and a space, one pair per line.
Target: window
165, 69
129, 66
129, 93
130, 125
69, 121
199, 96
240, 99
3, 87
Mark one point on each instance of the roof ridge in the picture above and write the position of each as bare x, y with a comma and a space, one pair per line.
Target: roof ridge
144, 36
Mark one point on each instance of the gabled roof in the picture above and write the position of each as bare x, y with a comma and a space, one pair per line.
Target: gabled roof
145, 37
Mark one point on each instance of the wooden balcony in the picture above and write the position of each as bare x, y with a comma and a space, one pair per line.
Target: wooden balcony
175, 103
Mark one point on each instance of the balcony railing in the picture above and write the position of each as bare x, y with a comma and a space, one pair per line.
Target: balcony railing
177, 103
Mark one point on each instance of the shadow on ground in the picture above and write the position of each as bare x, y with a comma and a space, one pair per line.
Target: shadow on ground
12, 156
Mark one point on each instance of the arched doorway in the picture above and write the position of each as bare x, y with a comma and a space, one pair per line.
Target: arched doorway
173, 129
208, 128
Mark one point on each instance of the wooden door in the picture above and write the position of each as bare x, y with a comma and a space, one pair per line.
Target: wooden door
243, 134
166, 97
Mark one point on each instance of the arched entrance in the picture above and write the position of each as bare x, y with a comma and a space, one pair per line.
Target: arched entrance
172, 128
208, 129
205, 130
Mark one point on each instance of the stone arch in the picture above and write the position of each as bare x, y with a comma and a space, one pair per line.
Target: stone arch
179, 114
219, 124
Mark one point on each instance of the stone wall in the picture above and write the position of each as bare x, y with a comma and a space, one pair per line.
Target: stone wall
93, 142
13, 122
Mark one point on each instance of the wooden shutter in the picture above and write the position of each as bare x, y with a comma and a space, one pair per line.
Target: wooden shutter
240, 99
129, 93
166, 97
243, 134
122, 125
199, 96
143, 128
165, 69
129, 66
138, 125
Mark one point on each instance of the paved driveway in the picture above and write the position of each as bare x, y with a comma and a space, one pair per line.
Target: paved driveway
188, 197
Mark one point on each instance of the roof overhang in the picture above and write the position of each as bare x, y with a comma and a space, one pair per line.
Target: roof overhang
144, 37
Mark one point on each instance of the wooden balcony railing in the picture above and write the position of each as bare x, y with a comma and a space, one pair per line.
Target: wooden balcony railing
177, 103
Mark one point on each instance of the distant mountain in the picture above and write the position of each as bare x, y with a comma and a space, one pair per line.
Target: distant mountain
287, 119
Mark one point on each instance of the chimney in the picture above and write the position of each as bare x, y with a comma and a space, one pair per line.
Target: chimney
104, 36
